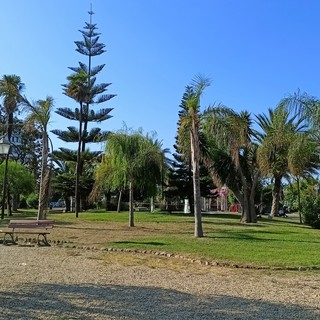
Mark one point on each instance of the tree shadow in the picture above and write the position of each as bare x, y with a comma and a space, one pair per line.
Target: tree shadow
152, 243
74, 301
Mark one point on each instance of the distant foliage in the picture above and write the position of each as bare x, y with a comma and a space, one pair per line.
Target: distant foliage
311, 211
32, 201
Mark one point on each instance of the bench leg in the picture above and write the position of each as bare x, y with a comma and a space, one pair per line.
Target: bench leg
44, 240
11, 240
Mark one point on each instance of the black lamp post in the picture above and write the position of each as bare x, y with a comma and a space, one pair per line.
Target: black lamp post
4, 149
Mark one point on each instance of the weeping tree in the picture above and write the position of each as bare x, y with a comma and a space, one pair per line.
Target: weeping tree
131, 161
189, 137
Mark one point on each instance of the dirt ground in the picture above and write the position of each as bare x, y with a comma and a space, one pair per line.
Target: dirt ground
83, 280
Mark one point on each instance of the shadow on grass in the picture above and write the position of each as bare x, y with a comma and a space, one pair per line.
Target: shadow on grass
241, 236
152, 243
79, 301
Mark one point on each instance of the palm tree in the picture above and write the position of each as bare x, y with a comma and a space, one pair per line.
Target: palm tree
304, 106
279, 133
131, 161
303, 160
230, 154
189, 132
11, 88
39, 116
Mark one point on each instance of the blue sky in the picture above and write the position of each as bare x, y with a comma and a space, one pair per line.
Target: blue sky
255, 51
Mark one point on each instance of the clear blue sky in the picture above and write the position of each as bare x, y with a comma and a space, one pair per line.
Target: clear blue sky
255, 51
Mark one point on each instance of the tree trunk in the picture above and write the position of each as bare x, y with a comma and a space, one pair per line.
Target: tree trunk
299, 199
131, 211
276, 197
78, 167
15, 202
107, 197
248, 214
67, 201
198, 231
9, 208
5, 186
44, 179
246, 207
119, 201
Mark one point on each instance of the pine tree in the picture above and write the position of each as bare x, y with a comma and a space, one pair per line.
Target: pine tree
82, 88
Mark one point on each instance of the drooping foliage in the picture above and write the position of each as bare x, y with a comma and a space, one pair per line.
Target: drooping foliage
230, 155
131, 161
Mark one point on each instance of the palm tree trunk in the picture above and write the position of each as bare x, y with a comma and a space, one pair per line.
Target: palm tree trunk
67, 201
44, 179
198, 231
276, 197
299, 199
131, 211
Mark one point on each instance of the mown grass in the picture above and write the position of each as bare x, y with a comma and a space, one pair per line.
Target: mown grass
278, 242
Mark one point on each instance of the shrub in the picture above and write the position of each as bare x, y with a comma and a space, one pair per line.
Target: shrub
32, 201
311, 211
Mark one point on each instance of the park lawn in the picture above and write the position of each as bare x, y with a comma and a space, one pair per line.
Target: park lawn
278, 242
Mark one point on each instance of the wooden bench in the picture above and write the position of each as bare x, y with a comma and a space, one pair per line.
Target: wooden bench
139, 209
38, 227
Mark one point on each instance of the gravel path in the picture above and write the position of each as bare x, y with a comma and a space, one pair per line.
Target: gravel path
62, 283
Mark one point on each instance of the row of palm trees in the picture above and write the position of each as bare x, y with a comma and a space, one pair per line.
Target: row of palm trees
241, 153
238, 152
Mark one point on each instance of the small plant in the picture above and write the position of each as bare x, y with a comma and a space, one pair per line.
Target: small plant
311, 211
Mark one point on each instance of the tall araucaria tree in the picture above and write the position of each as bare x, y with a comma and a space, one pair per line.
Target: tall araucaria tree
82, 88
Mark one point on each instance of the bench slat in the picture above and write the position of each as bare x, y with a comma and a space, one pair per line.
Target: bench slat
29, 226
26, 224
28, 232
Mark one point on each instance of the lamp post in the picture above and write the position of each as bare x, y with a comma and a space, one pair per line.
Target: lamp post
4, 149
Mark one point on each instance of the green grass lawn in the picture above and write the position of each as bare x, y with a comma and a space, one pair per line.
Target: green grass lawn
280, 242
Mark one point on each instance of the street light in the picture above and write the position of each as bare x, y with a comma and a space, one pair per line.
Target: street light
4, 149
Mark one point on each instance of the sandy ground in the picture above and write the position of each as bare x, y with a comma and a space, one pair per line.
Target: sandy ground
66, 283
